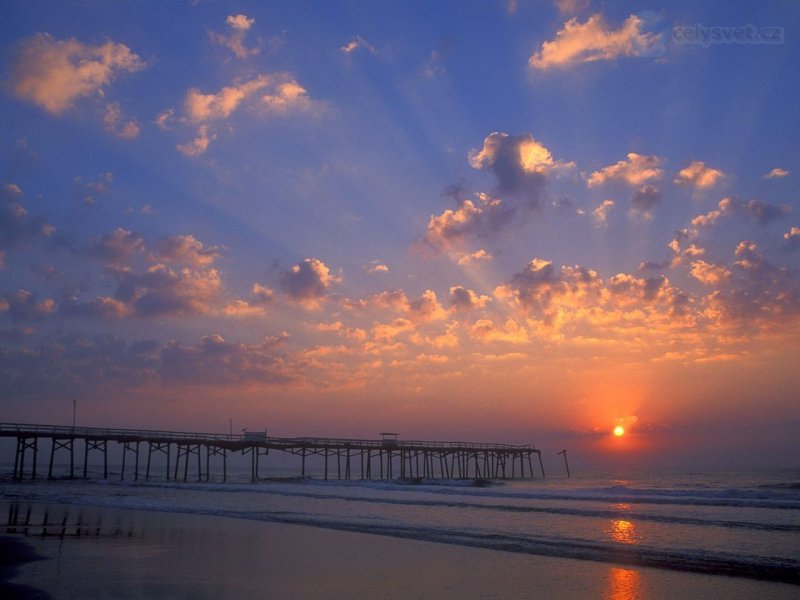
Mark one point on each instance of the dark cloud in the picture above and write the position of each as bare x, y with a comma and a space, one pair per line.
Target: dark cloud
117, 247
481, 219
307, 281
16, 225
214, 361
519, 162
164, 291
68, 364
462, 298
645, 199
23, 306
758, 293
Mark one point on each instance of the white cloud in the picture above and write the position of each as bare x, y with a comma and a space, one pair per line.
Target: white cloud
592, 41
55, 73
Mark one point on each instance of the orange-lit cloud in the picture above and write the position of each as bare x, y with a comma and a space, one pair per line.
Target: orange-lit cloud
637, 170
593, 40
239, 25
55, 73
699, 175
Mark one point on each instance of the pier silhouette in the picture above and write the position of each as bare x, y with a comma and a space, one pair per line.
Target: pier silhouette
385, 458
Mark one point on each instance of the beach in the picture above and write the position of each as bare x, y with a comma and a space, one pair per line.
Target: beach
92, 552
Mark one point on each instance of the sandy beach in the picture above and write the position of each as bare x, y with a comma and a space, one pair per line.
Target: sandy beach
114, 553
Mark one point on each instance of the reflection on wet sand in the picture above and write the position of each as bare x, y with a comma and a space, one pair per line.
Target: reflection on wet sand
46, 520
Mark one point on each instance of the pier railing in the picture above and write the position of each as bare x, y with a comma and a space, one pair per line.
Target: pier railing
16, 429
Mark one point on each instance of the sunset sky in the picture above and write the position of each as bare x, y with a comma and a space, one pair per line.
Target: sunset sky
523, 222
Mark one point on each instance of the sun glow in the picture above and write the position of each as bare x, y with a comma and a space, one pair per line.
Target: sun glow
619, 431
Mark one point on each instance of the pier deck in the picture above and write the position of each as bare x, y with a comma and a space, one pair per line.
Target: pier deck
385, 458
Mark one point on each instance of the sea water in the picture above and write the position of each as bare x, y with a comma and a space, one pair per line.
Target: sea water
732, 522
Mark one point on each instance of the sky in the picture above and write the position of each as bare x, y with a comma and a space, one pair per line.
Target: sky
501, 221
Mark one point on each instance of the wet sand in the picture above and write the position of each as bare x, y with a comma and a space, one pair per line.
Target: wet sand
113, 553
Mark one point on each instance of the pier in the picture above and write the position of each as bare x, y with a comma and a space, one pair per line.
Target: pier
190, 454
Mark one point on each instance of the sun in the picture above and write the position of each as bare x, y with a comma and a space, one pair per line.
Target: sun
619, 431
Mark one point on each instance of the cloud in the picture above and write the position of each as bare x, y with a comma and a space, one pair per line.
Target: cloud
22, 306
261, 297
53, 73
106, 362
357, 43
217, 362
307, 282
709, 274
376, 266
117, 247
576, 299
187, 250
594, 40
426, 307
15, 223
392, 299
220, 105
118, 124
757, 294
600, 213
519, 162
635, 171
481, 219
272, 94
162, 290
776, 173
474, 257
699, 175
288, 95
571, 7
644, 200
793, 237
199, 144
756, 210
238, 25
510, 332
462, 298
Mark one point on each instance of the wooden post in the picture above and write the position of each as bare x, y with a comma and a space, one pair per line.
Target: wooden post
566, 462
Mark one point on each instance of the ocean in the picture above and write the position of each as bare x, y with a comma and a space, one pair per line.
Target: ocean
743, 523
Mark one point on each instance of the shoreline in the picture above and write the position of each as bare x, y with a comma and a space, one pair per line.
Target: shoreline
132, 553
14, 555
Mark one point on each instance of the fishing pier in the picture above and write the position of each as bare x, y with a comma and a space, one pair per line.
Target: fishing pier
190, 454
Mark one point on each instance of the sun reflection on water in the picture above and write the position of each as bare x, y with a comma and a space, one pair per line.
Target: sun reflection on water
623, 531
624, 584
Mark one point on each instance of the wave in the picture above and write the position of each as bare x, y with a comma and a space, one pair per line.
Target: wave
515, 508
711, 563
